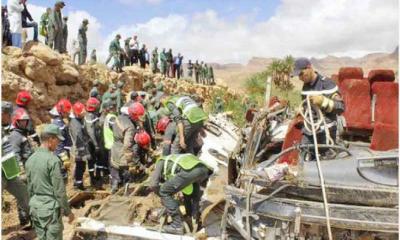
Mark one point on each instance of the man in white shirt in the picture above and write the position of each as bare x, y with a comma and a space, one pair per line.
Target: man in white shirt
134, 48
76, 49
15, 8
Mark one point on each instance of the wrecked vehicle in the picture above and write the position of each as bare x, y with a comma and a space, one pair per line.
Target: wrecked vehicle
278, 194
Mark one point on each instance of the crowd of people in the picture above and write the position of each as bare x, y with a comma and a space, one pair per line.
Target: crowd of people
112, 136
54, 28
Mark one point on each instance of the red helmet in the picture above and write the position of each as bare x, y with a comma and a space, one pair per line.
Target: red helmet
23, 98
19, 114
78, 109
162, 124
63, 106
136, 111
92, 104
142, 138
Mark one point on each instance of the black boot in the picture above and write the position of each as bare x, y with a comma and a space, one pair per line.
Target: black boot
176, 227
23, 217
79, 186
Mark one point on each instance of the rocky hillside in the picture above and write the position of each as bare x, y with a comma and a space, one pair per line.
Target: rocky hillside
50, 76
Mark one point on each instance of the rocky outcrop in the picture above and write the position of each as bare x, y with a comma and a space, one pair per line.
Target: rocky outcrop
50, 76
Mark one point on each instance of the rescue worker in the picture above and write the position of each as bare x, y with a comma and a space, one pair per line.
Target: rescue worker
65, 33
115, 50
167, 128
154, 60
94, 92
189, 118
55, 28
44, 22
19, 136
48, 199
124, 130
79, 151
9, 180
163, 62
82, 38
180, 173
93, 130
325, 95
58, 113
140, 154
23, 101
107, 121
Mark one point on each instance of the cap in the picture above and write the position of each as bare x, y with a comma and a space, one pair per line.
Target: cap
53, 129
62, 3
299, 65
65, 17
6, 107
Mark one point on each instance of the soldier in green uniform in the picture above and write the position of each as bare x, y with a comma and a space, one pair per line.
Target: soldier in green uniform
10, 181
44, 22
219, 105
82, 38
48, 200
154, 60
197, 71
170, 59
163, 62
65, 33
180, 172
118, 95
93, 57
109, 94
211, 75
115, 50
55, 27
205, 74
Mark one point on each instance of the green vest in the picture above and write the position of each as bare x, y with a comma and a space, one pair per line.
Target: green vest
108, 132
186, 162
189, 108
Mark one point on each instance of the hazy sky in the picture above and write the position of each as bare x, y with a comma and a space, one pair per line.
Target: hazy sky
234, 31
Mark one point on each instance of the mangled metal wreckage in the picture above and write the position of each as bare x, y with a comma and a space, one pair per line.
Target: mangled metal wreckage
274, 192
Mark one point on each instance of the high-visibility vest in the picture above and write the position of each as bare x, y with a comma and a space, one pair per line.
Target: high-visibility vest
189, 108
108, 132
185, 161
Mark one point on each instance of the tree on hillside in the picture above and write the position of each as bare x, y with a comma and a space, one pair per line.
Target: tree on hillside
280, 71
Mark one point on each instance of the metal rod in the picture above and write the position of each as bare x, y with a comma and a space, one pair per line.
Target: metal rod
321, 176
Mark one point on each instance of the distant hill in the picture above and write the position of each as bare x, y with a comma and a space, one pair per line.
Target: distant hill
234, 75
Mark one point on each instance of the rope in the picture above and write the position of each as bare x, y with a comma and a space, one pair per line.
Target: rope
321, 176
308, 125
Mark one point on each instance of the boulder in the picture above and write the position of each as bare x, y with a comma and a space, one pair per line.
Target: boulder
44, 53
13, 52
67, 75
35, 69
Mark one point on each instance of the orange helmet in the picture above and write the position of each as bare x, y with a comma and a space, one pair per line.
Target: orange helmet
162, 124
92, 104
63, 106
23, 98
19, 114
136, 111
142, 138
78, 108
